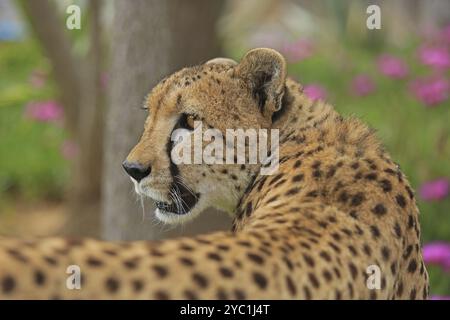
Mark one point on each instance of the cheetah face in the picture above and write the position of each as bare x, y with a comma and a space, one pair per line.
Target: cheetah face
219, 94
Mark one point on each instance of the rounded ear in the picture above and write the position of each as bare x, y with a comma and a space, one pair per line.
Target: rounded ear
226, 61
264, 70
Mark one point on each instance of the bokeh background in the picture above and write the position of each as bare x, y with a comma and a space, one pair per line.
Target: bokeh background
70, 100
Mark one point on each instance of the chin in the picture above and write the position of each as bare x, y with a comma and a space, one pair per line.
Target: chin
173, 218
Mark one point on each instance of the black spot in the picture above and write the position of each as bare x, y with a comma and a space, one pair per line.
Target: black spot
325, 256
260, 280
379, 209
386, 253
327, 275
401, 201
298, 177
112, 284
291, 286
223, 247
244, 243
397, 230
94, 262
412, 294
249, 208
312, 194
343, 197
200, 280
131, 263
50, 260
17, 255
331, 171
386, 185
375, 231
313, 279
352, 250
137, 285
353, 270
357, 199
214, 256
317, 174
355, 165
186, 261
412, 266
239, 294
255, 258
160, 271
309, 260
226, 272
371, 176
190, 295
411, 221
161, 295
186, 247
297, 164
307, 293
393, 268
39, 277
367, 250
8, 284
353, 214
400, 288
336, 236
292, 191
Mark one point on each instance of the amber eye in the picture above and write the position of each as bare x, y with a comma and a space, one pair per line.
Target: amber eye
190, 121
187, 121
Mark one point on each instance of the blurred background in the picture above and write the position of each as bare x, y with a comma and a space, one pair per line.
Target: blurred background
70, 100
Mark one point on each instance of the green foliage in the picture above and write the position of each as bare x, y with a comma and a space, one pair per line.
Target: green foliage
30, 163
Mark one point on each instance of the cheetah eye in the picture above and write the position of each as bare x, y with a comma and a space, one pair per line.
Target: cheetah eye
187, 121
190, 121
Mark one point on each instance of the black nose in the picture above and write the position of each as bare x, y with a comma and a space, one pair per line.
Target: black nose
136, 170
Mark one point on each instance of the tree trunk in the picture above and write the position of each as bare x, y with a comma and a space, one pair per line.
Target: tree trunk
85, 192
78, 80
151, 40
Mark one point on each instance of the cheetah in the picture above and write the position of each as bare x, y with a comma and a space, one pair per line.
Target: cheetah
336, 206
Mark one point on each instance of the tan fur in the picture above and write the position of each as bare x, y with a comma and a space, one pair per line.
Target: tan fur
336, 205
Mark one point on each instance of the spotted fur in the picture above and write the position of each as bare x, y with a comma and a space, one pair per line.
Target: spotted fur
336, 205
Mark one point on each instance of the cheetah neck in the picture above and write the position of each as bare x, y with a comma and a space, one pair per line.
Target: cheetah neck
307, 128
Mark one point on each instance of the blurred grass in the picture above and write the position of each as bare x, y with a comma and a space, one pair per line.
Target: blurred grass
31, 165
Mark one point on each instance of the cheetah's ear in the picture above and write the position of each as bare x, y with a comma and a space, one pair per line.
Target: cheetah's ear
265, 72
226, 61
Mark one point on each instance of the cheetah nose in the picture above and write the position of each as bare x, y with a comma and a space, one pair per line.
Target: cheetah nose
136, 170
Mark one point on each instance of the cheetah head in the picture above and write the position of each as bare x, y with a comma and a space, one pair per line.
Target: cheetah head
220, 94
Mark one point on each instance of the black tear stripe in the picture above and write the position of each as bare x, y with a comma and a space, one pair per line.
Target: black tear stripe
189, 200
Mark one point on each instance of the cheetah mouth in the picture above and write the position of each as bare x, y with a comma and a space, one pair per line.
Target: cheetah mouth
183, 200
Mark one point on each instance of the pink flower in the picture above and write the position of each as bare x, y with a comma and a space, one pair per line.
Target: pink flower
298, 50
435, 190
45, 111
362, 85
315, 92
437, 57
69, 149
392, 67
430, 91
437, 253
